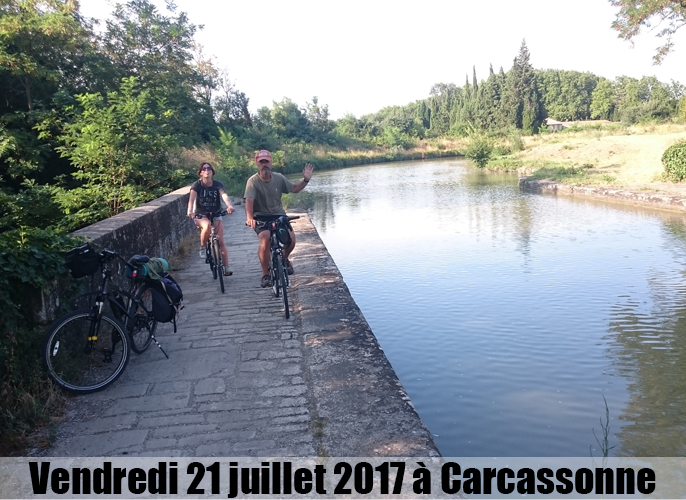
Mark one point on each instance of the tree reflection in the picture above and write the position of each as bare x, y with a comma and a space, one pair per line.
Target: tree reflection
650, 352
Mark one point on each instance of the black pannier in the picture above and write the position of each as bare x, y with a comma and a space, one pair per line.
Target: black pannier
282, 233
166, 299
82, 261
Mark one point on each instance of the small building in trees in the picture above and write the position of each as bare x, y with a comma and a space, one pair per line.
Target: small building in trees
554, 125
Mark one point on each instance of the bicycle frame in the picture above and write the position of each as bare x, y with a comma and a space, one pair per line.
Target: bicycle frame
277, 260
276, 250
216, 262
121, 309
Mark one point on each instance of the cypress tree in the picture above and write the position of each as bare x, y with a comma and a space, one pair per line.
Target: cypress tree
521, 100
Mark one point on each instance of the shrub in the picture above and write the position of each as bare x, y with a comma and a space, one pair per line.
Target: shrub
30, 258
479, 150
516, 142
674, 160
682, 108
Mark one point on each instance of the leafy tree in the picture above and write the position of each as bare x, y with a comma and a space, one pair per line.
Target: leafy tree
393, 137
159, 51
566, 95
603, 100
658, 98
348, 126
230, 106
43, 45
290, 122
318, 117
120, 145
636, 14
234, 168
45, 48
441, 95
647, 98
424, 114
262, 133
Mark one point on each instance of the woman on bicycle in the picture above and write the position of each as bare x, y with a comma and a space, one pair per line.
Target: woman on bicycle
206, 195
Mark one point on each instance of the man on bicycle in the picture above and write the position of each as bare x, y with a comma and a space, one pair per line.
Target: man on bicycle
263, 203
207, 193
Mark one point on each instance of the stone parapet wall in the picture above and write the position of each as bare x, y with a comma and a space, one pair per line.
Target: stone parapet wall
644, 198
155, 228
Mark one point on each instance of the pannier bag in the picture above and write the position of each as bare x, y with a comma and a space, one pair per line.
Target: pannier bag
82, 261
166, 299
282, 233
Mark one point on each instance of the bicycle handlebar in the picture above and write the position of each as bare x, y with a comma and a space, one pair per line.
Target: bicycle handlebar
135, 262
262, 223
211, 215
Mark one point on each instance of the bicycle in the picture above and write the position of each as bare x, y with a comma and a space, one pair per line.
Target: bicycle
213, 250
277, 259
87, 349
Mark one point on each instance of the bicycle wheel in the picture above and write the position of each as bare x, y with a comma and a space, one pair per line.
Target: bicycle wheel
78, 364
217, 250
273, 270
140, 323
281, 272
211, 258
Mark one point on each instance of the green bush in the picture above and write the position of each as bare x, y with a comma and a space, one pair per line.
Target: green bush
517, 144
30, 258
674, 160
479, 150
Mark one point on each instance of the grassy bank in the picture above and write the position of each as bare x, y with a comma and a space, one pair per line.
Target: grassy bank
612, 156
326, 158
293, 157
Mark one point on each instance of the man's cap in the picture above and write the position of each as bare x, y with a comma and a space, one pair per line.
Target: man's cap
263, 154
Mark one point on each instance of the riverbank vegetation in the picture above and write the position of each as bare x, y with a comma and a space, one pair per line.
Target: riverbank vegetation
649, 156
95, 120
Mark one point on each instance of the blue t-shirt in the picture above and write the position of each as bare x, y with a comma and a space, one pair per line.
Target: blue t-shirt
209, 198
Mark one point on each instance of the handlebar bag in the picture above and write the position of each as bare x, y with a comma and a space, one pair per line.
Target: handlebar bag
82, 261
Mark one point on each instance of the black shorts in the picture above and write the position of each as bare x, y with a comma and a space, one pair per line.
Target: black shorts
268, 218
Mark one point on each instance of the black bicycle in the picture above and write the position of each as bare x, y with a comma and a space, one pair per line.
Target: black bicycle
87, 349
213, 250
278, 238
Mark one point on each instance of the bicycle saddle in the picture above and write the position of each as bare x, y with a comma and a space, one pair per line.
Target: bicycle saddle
139, 259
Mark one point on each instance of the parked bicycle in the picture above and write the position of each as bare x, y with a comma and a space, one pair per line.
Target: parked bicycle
213, 250
87, 349
278, 238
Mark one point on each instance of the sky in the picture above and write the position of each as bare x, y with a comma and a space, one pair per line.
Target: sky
360, 56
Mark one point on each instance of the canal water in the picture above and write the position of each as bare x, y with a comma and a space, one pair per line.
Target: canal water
520, 324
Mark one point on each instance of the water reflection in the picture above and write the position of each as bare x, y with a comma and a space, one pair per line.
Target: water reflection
649, 351
511, 317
